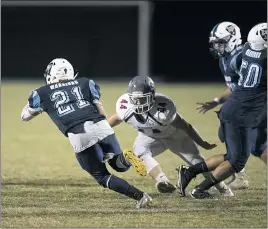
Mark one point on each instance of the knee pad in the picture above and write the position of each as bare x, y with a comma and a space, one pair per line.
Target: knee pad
101, 178
149, 162
117, 164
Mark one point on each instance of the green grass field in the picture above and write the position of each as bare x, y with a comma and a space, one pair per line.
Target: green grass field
44, 186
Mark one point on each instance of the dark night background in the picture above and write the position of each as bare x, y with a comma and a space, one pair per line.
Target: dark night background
102, 42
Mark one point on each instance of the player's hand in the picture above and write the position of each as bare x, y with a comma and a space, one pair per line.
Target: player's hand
208, 146
206, 106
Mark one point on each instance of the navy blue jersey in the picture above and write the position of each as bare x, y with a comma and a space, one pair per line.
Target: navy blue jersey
247, 105
253, 71
230, 65
68, 103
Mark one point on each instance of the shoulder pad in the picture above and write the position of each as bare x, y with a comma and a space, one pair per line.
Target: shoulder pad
166, 106
123, 107
162, 100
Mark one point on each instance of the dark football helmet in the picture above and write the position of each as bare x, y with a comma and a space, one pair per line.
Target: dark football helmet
141, 91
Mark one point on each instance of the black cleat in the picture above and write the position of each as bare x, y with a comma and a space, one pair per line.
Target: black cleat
165, 187
184, 178
197, 193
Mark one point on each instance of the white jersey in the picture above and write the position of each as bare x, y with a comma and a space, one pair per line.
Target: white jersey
156, 123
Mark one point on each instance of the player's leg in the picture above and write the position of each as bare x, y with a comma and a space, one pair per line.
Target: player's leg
238, 145
238, 142
183, 146
118, 160
146, 148
239, 180
260, 148
90, 133
90, 160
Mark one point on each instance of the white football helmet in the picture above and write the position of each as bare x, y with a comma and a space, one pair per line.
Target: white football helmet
59, 69
224, 38
257, 37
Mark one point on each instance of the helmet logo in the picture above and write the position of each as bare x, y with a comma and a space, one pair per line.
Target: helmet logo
231, 29
263, 33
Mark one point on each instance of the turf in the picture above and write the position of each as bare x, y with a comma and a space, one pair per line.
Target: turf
44, 186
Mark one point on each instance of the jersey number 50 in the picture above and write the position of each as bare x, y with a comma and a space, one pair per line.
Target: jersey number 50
62, 99
250, 75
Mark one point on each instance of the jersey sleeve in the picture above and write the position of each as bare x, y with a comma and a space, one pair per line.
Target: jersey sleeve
123, 107
95, 91
34, 102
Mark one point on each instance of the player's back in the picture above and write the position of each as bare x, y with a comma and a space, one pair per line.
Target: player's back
229, 66
253, 72
68, 103
247, 105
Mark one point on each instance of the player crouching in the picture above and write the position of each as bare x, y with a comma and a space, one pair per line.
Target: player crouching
159, 128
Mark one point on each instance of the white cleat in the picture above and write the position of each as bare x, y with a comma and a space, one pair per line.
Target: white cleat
165, 187
224, 190
239, 182
144, 201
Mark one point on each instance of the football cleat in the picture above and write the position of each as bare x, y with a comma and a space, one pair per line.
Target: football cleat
136, 162
227, 192
197, 193
224, 190
145, 201
165, 187
184, 178
239, 182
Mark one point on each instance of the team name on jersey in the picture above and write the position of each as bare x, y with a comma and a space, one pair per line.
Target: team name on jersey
59, 85
253, 54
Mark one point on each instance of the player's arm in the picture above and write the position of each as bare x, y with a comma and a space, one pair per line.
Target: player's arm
206, 106
95, 92
182, 124
114, 120
235, 64
32, 108
121, 107
100, 108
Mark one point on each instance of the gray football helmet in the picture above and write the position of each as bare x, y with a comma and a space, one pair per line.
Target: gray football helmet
141, 92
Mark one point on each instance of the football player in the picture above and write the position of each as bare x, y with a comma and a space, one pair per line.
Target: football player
243, 119
160, 127
74, 106
225, 40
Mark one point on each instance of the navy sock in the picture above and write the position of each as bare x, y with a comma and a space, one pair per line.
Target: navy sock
121, 186
208, 183
198, 168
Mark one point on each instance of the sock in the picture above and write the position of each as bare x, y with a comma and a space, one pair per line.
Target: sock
161, 177
121, 186
121, 161
198, 168
208, 183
